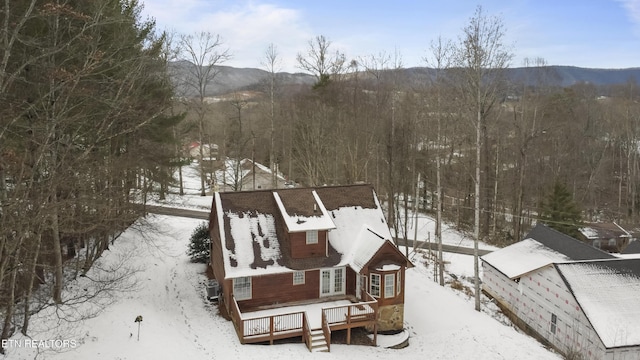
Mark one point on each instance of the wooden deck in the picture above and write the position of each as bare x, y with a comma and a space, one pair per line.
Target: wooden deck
284, 325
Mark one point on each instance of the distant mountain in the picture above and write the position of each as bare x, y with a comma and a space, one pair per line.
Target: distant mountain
235, 79
562, 76
571, 75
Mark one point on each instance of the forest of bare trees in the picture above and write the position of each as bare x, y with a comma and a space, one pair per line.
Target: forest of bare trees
84, 133
91, 122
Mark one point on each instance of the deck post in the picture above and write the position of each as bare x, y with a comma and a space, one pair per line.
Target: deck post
349, 325
271, 330
375, 333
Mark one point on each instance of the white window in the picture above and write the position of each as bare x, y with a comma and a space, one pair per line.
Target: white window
298, 278
242, 288
312, 237
332, 281
554, 323
338, 281
398, 283
389, 285
375, 285
325, 282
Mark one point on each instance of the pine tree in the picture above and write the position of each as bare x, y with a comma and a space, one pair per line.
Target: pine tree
560, 212
199, 244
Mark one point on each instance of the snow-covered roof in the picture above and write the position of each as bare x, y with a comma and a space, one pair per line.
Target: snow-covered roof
523, 257
604, 231
574, 249
251, 222
297, 222
358, 241
235, 171
608, 293
589, 233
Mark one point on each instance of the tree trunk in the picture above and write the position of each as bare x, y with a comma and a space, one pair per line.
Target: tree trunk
57, 254
10, 308
476, 222
29, 289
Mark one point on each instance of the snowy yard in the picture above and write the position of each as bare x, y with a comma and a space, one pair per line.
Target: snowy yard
178, 323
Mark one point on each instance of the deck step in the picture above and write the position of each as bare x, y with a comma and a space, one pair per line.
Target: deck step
322, 348
318, 341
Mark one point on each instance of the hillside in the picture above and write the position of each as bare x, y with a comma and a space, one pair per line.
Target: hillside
178, 323
233, 79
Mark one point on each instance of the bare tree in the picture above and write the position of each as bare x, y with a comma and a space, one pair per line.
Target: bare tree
273, 64
67, 131
481, 58
320, 62
441, 53
206, 53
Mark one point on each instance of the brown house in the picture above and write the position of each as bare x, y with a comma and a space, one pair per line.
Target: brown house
303, 262
610, 237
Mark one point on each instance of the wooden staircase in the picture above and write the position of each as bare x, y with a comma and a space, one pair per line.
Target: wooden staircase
318, 341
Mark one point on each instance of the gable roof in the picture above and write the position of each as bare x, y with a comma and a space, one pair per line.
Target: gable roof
574, 249
604, 231
302, 210
541, 247
235, 171
608, 292
523, 257
252, 223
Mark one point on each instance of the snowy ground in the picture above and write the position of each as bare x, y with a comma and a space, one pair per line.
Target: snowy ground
178, 323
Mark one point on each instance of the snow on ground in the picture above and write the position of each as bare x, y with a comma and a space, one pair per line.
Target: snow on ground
426, 229
178, 323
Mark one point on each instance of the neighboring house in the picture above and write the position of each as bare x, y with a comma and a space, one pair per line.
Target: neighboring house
578, 299
327, 249
246, 174
209, 151
609, 237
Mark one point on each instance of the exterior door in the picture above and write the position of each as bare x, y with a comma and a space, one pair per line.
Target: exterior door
332, 281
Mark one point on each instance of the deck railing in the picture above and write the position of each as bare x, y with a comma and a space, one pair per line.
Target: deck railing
306, 331
353, 313
326, 330
273, 327
236, 317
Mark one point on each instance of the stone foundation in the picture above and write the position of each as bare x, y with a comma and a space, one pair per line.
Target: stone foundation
391, 318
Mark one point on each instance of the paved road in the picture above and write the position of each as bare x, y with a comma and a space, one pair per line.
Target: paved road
189, 213
445, 247
204, 215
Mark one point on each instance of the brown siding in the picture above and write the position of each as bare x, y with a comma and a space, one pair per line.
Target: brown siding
396, 300
351, 281
389, 254
279, 289
300, 249
217, 263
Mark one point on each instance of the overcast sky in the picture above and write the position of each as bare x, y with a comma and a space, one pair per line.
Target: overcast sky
585, 33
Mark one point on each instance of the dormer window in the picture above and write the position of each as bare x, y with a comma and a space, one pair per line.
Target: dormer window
312, 237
